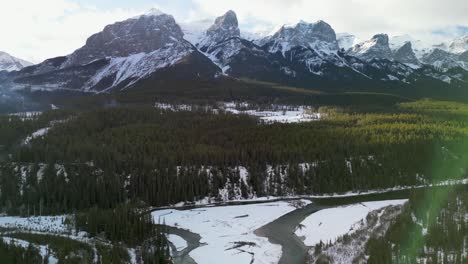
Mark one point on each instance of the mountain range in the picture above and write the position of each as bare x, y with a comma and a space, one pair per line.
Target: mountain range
9, 63
153, 47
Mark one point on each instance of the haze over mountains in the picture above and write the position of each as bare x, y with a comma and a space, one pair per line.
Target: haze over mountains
154, 46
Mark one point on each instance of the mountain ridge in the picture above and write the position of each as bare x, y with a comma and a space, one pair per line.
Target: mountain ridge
10, 63
128, 52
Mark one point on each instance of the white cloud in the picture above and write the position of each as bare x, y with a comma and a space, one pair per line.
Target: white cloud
36, 30
361, 17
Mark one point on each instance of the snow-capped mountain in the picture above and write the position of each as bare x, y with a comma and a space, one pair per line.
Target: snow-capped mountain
420, 48
9, 63
443, 56
318, 36
224, 28
146, 33
376, 48
310, 48
120, 56
405, 54
223, 45
153, 47
459, 45
444, 60
346, 40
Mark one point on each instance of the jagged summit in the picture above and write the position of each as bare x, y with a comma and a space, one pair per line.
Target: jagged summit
459, 45
444, 60
153, 46
377, 47
9, 63
319, 36
224, 28
141, 34
227, 22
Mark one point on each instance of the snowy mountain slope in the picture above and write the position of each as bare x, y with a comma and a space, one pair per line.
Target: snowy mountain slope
459, 45
145, 33
311, 48
222, 44
420, 48
9, 63
444, 60
154, 46
346, 40
318, 36
405, 54
377, 47
118, 57
126, 71
224, 28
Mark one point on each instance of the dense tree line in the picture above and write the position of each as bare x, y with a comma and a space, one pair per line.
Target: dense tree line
15, 254
109, 156
125, 224
122, 224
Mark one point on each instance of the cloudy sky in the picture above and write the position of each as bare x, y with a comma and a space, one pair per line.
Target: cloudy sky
36, 30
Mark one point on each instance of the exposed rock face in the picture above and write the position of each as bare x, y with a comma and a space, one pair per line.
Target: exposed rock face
141, 34
405, 54
224, 28
119, 57
152, 47
9, 63
442, 59
463, 57
319, 36
376, 48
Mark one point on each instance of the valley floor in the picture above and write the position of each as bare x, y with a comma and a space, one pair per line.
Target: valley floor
226, 232
243, 233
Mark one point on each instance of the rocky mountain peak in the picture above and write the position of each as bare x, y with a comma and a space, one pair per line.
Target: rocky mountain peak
227, 22
459, 45
381, 39
142, 34
224, 28
405, 54
377, 47
319, 36
9, 63
442, 59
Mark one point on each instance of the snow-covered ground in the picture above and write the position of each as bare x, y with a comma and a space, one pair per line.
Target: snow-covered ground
27, 115
49, 224
43, 250
294, 115
329, 224
228, 231
178, 242
39, 133
278, 114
